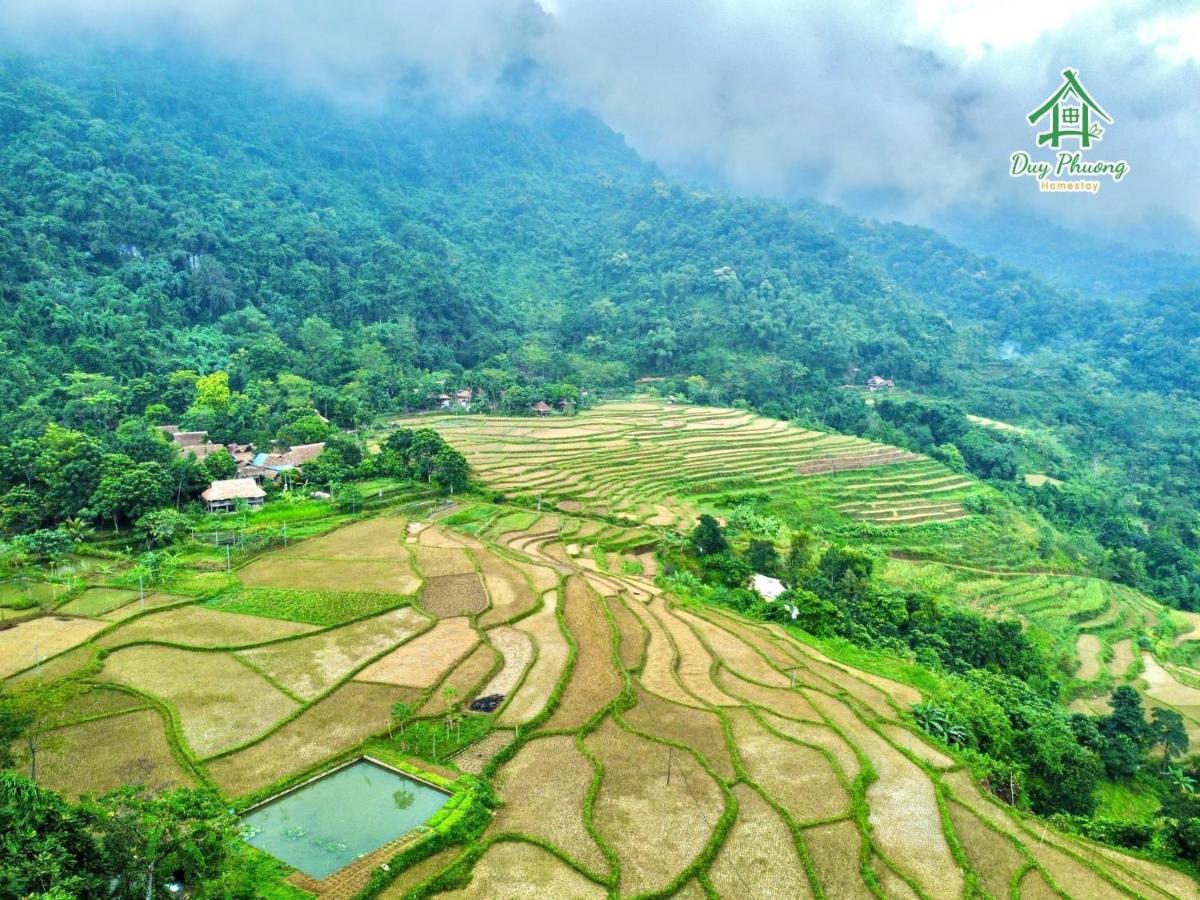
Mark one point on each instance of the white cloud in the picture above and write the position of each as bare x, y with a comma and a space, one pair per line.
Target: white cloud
901, 109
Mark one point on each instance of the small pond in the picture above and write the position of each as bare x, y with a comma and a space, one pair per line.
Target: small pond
328, 823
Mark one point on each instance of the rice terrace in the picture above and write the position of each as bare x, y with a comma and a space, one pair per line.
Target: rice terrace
569, 720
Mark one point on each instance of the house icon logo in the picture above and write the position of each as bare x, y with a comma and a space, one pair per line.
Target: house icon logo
1072, 114
1074, 123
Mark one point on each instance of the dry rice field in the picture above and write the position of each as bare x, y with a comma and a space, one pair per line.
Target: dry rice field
646, 747
638, 459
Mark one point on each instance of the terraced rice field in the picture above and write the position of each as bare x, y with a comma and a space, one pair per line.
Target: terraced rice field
639, 747
1086, 617
718, 766
654, 464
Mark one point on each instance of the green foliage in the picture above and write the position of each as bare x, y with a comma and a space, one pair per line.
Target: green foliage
48, 846
311, 607
708, 538
745, 517
161, 526
45, 543
437, 740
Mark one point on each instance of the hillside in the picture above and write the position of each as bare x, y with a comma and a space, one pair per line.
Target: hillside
643, 743
563, 409
165, 215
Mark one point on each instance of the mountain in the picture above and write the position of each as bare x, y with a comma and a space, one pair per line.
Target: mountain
163, 214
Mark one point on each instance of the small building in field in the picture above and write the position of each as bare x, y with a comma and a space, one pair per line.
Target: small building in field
222, 496
875, 383
541, 408
767, 587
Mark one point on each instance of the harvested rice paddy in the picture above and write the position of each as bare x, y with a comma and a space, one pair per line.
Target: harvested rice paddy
309, 666
552, 651
219, 701
199, 626
97, 601
454, 595
22, 645
656, 464
542, 791
303, 574
101, 755
642, 746
422, 662
345, 718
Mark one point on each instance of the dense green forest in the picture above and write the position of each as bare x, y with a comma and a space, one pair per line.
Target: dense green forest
163, 219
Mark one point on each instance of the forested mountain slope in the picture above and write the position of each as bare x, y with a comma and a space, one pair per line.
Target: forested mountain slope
163, 214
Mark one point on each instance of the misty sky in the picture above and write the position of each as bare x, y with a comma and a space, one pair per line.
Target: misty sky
904, 109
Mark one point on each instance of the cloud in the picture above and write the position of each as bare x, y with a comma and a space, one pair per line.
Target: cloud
896, 109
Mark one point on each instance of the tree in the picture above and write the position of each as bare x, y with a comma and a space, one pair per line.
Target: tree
400, 713
162, 526
48, 847
450, 470
1127, 717
1167, 730
800, 552
347, 497
218, 466
847, 569
144, 837
423, 450
46, 543
127, 490
762, 556
707, 537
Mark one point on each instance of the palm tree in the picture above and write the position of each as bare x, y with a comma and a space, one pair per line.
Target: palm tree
78, 529
1180, 780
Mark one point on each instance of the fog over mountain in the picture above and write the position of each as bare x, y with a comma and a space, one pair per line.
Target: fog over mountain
895, 110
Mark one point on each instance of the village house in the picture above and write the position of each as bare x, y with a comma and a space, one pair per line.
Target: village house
291, 459
223, 496
875, 383
188, 438
241, 453
542, 408
767, 587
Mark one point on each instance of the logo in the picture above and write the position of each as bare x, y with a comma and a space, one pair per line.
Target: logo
1072, 116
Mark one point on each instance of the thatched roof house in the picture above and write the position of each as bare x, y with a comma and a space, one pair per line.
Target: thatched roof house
541, 408
292, 459
222, 496
189, 438
203, 451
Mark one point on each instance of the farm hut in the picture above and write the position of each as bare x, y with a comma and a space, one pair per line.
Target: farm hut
875, 383
767, 587
222, 496
542, 408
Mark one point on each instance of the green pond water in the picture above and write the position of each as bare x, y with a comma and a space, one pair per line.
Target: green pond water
329, 823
